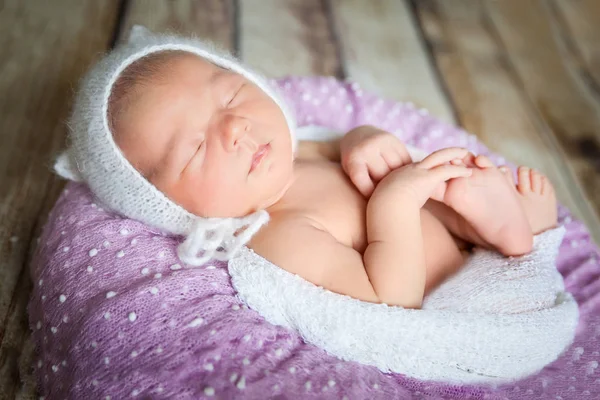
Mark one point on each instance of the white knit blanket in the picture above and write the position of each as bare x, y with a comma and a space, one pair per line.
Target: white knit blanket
497, 319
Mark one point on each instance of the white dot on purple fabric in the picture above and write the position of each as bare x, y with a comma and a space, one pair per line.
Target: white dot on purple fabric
235, 307
375, 386
308, 385
134, 242
211, 267
145, 271
94, 344
55, 368
66, 248
158, 350
172, 323
132, 317
107, 315
38, 325
40, 282
246, 361
232, 378
161, 254
93, 252
241, 383
292, 370
135, 392
278, 352
106, 360
209, 367
124, 232
106, 244
196, 322
110, 294
154, 290
158, 276
247, 338
349, 108
63, 363
175, 267
62, 298
133, 354
43, 297
39, 364
120, 254
65, 319
53, 329
331, 383
213, 332
89, 268
217, 357
209, 391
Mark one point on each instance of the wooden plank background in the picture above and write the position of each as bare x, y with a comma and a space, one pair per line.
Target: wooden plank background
524, 76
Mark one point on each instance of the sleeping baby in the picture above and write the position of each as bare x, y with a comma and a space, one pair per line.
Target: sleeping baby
177, 127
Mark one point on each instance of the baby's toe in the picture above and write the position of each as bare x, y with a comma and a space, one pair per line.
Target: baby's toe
524, 185
547, 188
507, 174
536, 181
483, 162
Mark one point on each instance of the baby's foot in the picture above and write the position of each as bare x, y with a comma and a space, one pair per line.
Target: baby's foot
489, 204
537, 197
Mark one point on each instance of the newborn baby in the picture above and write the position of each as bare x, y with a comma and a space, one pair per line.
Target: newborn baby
356, 216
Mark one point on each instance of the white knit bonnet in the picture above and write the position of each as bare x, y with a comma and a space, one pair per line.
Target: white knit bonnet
94, 158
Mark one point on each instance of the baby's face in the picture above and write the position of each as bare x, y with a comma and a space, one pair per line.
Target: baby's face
208, 138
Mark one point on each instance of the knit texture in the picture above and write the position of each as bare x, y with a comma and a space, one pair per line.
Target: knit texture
113, 313
94, 157
496, 320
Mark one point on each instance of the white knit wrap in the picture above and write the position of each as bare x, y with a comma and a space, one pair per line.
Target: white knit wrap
94, 158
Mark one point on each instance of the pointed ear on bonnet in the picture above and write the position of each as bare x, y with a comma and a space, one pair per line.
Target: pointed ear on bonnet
138, 34
66, 167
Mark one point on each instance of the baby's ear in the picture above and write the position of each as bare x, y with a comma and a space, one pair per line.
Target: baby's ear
66, 167
138, 34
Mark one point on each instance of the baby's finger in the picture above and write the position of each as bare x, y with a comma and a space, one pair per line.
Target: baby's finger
444, 172
359, 175
443, 156
393, 159
378, 168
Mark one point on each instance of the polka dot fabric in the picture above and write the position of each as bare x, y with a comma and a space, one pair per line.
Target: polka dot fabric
115, 315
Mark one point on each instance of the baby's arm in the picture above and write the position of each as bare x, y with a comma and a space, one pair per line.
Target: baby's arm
389, 272
395, 256
301, 247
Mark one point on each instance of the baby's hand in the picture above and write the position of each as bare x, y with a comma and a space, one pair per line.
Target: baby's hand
368, 154
417, 182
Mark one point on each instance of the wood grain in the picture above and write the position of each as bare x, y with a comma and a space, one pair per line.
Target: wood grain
209, 19
579, 24
288, 37
490, 102
384, 53
44, 48
564, 102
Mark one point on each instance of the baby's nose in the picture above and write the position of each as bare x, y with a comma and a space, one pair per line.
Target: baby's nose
234, 128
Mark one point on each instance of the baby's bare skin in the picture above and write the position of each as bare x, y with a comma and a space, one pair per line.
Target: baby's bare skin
196, 135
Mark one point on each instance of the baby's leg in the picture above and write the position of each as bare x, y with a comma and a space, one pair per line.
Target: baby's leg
443, 255
490, 213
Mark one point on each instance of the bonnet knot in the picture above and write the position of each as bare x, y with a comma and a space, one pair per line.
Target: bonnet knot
219, 238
